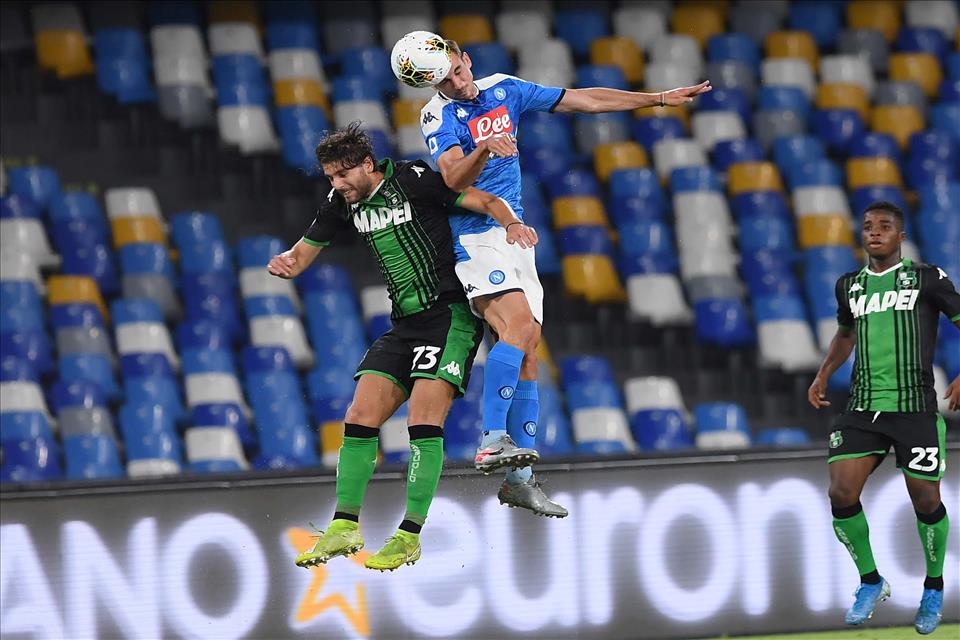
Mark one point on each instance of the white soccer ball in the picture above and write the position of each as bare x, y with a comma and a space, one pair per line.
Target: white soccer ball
420, 59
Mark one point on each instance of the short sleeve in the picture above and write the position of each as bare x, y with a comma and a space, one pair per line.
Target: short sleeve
438, 132
844, 315
535, 97
941, 292
330, 219
426, 185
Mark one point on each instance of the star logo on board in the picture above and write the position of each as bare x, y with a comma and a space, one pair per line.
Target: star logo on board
316, 604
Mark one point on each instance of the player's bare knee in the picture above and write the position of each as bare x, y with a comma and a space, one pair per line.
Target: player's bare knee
362, 415
925, 500
842, 494
523, 334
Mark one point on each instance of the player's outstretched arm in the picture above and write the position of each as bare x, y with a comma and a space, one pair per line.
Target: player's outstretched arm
460, 171
603, 100
840, 348
482, 202
953, 394
294, 261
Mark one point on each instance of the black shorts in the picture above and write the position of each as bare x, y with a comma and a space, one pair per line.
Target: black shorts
439, 343
918, 439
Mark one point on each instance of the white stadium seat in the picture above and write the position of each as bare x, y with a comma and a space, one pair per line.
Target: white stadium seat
718, 440
214, 443
547, 76
788, 72
679, 48
20, 265
653, 392
23, 395
152, 468
602, 425
394, 436
177, 41
552, 53
711, 127
698, 263
257, 281
371, 113
282, 331
172, 72
146, 337
516, 29
703, 207
669, 74
27, 235
374, 301
233, 38
132, 202
644, 25
937, 14
248, 127
297, 64
395, 27
847, 69
410, 140
658, 299
787, 345
214, 388
826, 329
820, 200
670, 153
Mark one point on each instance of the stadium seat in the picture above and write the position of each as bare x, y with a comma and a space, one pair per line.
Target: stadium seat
922, 68
517, 28
670, 153
819, 200
729, 152
700, 21
823, 20
64, 52
617, 155
901, 122
220, 445
24, 425
788, 72
732, 74
621, 52
788, 345
92, 457
239, 11
195, 227
880, 16
23, 395
792, 44
783, 98
824, 230
68, 289
466, 29
723, 322
40, 184
658, 299
721, 426
844, 96
661, 430
643, 25
711, 127
939, 15
753, 176
923, 40
867, 43
18, 206
593, 130
783, 436
667, 74
934, 157
91, 367
768, 126
578, 210
838, 128
864, 172
734, 46
728, 100
28, 235
30, 460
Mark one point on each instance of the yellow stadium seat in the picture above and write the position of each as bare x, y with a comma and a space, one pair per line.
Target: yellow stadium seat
900, 121
701, 21
792, 44
753, 176
64, 52
466, 29
875, 14
822, 231
133, 230
922, 68
664, 112
407, 112
621, 52
844, 96
331, 436
611, 156
233, 11
298, 92
865, 172
69, 289
569, 211
592, 277
545, 358
723, 6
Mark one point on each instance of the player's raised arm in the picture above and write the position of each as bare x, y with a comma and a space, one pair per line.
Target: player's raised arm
460, 171
482, 202
294, 261
603, 100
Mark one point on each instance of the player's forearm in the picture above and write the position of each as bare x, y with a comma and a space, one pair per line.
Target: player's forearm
463, 172
304, 254
489, 204
604, 100
837, 354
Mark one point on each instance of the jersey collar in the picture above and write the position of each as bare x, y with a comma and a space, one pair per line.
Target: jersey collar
386, 166
448, 99
903, 263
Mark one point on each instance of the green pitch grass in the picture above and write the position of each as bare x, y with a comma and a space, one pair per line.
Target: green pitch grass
945, 632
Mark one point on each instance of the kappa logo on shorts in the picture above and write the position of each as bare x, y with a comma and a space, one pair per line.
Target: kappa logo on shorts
506, 392
452, 368
469, 288
836, 439
497, 277
530, 428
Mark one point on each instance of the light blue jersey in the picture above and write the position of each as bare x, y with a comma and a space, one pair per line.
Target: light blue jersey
446, 123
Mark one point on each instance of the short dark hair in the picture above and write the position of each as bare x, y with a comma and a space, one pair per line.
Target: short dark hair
349, 146
453, 46
886, 207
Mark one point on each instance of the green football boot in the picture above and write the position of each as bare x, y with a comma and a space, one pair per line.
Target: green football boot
402, 547
342, 538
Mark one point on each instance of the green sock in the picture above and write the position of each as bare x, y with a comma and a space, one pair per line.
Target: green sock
423, 476
854, 533
933, 536
358, 458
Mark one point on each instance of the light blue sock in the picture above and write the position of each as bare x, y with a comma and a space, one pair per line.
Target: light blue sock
500, 375
490, 437
522, 422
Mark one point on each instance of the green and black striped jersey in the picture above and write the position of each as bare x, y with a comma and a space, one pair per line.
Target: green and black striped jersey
894, 315
405, 223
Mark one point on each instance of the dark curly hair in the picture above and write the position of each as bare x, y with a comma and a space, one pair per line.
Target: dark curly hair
349, 146
886, 207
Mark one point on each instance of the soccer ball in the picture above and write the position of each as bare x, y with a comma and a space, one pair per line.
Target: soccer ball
420, 59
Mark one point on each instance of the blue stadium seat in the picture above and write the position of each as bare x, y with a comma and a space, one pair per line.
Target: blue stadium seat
863, 197
79, 233
580, 27
792, 151
623, 211
650, 243
238, 68
721, 99
292, 34
641, 183
546, 131
600, 75
948, 348
576, 182
950, 90
124, 310
871, 145
728, 152
838, 128
38, 183
766, 231
585, 240
554, 433
256, 251
242, 94
289, 11
734, 46
174, 12
579, 369
823, 266
18, 310
720, 416
382, 145
933, 157
201, 334
544, 163
90, 367
265, 359
923, 40
782, 437
145, 365
602, 449
840, 380
952, 65
377, 326
149, 432
197, 227
24, 425
31, 345
822, 18
288, 439
156, 391
13, 369
778, 307
70, 205
784, 98
268, 306
15, 206
77, 394
225, 415
372, 64
760, 202
122, 65
31, 460
212, 257
940, 197
75, 314
723, 322
488, 58
661, 430
649, 131
462, 429
588, 383
694, 179
144, 257
208, 361
330, 409
324, 277
95, 261
329, 382
816, 173
92, 457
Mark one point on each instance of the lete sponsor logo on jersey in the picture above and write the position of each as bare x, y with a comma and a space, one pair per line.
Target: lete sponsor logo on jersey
490, 124
903, 300
367, 220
